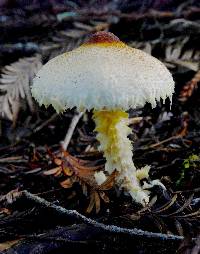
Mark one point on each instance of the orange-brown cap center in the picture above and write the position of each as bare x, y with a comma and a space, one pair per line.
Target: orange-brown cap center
103, 37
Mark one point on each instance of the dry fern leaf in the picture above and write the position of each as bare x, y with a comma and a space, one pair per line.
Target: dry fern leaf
15, 84
82, 171
143, 45
189, 87
66, 40
176, 54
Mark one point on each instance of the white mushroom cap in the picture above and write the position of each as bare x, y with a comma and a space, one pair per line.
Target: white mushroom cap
103, 73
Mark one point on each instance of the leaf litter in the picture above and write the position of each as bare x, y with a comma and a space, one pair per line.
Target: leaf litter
30, 155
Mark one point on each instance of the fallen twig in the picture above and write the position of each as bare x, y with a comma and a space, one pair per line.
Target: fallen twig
13, 159
164, 141
135, 120
109, 228
188, 191
71, 129
40, 127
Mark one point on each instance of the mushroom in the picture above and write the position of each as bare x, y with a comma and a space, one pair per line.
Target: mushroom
108, 76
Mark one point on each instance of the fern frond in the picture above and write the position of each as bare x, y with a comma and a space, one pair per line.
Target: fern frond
15, 84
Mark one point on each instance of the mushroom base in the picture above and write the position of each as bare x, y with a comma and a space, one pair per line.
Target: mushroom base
112, 131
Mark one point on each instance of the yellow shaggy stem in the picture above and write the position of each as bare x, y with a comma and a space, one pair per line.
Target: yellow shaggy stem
112, 128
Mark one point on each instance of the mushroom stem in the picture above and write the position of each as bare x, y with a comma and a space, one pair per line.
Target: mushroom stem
112, 128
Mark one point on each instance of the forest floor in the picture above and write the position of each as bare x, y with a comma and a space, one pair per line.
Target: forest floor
45, 205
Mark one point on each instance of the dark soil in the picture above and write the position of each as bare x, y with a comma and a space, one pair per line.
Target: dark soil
166, 138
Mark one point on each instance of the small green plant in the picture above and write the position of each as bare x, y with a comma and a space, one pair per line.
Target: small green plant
187, 163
